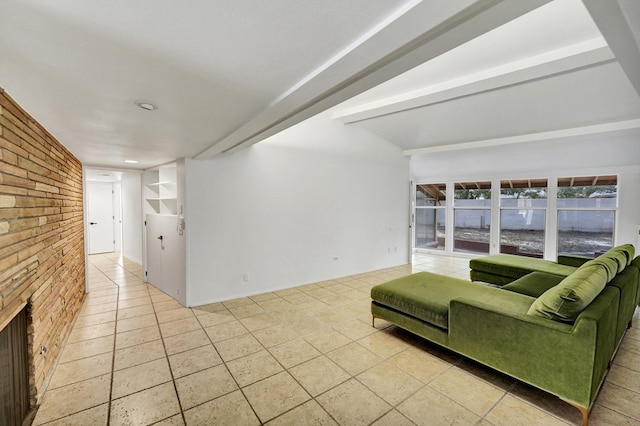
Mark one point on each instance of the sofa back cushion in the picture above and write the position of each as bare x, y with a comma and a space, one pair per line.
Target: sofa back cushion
614, 260
619, 257
572, 295
608, 262
627, 249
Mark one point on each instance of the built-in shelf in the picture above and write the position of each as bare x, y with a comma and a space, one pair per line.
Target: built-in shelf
160, 190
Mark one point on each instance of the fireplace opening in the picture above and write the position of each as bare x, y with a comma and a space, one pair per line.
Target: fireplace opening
14, 371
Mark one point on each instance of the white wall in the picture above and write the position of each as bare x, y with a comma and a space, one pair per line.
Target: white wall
586, 156
132, 216
317, 201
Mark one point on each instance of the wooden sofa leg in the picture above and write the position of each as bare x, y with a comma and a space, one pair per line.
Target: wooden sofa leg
373, 321
585, 415
584, 411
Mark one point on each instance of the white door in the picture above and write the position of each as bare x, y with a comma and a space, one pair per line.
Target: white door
100, 217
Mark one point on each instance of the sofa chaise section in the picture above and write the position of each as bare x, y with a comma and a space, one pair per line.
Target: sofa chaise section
420, 302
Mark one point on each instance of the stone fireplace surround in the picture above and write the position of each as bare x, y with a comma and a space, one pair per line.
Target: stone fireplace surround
15, 359
41, 237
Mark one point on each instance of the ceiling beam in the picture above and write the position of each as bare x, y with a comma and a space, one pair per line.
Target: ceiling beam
416, 35
619, 23
613, 127
590, 53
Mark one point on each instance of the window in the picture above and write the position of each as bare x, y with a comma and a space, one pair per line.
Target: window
430, 216
523, 206
586, 214
472, 217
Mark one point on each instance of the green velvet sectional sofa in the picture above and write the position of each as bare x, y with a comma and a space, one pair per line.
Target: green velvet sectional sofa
557, 327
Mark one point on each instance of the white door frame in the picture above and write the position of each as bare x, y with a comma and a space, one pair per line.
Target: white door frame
117, 216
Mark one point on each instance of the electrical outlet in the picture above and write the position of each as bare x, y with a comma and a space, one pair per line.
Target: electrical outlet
245, 276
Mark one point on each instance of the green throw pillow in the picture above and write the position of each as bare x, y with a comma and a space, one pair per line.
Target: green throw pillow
572, 295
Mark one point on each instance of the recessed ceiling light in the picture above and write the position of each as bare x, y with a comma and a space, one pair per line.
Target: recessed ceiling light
131, 161
147, 106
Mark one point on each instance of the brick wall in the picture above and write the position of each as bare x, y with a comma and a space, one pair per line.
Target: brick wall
41, 235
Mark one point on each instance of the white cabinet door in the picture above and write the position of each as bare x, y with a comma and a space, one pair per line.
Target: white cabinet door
166, 256
154, 250
173, 261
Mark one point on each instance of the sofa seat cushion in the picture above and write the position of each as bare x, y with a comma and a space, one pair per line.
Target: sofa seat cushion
572, 295
426, 296
509, 265
534, 284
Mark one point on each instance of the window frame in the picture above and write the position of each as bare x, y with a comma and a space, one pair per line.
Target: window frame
467, 186
583, 181
531, 183
441, 187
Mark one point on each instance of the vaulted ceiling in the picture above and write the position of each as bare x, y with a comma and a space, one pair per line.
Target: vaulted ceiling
563, 70
426, 75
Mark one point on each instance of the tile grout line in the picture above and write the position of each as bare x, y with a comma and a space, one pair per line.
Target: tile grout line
113, 356
166, 354
615, 409
109, 406
321, 354
114, 349
239, 388
324, 354
56, 363
284, 369
355, 377
511, 387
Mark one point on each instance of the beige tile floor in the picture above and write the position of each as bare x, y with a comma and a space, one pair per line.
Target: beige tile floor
301, 356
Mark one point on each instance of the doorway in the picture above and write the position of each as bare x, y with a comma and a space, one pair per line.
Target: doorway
126, 206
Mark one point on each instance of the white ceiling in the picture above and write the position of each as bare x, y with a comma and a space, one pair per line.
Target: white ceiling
228, 73
104, 175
